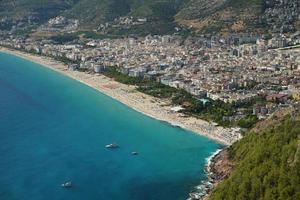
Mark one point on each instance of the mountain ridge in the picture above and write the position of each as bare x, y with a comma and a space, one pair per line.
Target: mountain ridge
200, 16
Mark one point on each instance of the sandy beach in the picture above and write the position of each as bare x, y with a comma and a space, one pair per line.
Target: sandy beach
151, 106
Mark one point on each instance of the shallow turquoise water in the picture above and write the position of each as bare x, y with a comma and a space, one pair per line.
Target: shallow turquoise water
54, 129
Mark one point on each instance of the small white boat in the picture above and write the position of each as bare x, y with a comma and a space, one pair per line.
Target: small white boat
134, 153
112, 146
67, 184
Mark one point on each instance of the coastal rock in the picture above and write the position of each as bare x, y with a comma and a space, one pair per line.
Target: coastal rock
219, 167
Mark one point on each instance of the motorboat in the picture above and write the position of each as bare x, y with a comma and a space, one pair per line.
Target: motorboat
134, 153
112, 146
67, 184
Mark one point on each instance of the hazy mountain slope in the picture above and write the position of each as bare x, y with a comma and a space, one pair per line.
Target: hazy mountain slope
240, 16
221, 15
199, 8
203, 16
93, 12
97, 11
38, 9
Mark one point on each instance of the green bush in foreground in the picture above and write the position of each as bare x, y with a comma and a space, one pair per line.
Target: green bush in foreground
267, 166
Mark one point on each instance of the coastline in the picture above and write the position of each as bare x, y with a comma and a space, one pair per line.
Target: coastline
153, 107
218, 168
202, 191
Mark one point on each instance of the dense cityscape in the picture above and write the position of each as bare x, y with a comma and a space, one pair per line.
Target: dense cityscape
229, 69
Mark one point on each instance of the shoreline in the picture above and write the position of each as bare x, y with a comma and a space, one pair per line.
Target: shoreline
153, 107
218, 168
202, 190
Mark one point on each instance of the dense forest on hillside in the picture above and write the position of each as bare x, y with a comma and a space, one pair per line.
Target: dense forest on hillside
267, 165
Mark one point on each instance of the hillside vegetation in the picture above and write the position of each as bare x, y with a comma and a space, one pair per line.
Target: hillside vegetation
39, 9
219, 16
98, 11
200, 16
267, 165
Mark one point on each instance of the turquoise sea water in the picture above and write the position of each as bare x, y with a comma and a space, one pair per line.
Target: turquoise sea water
54, 129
